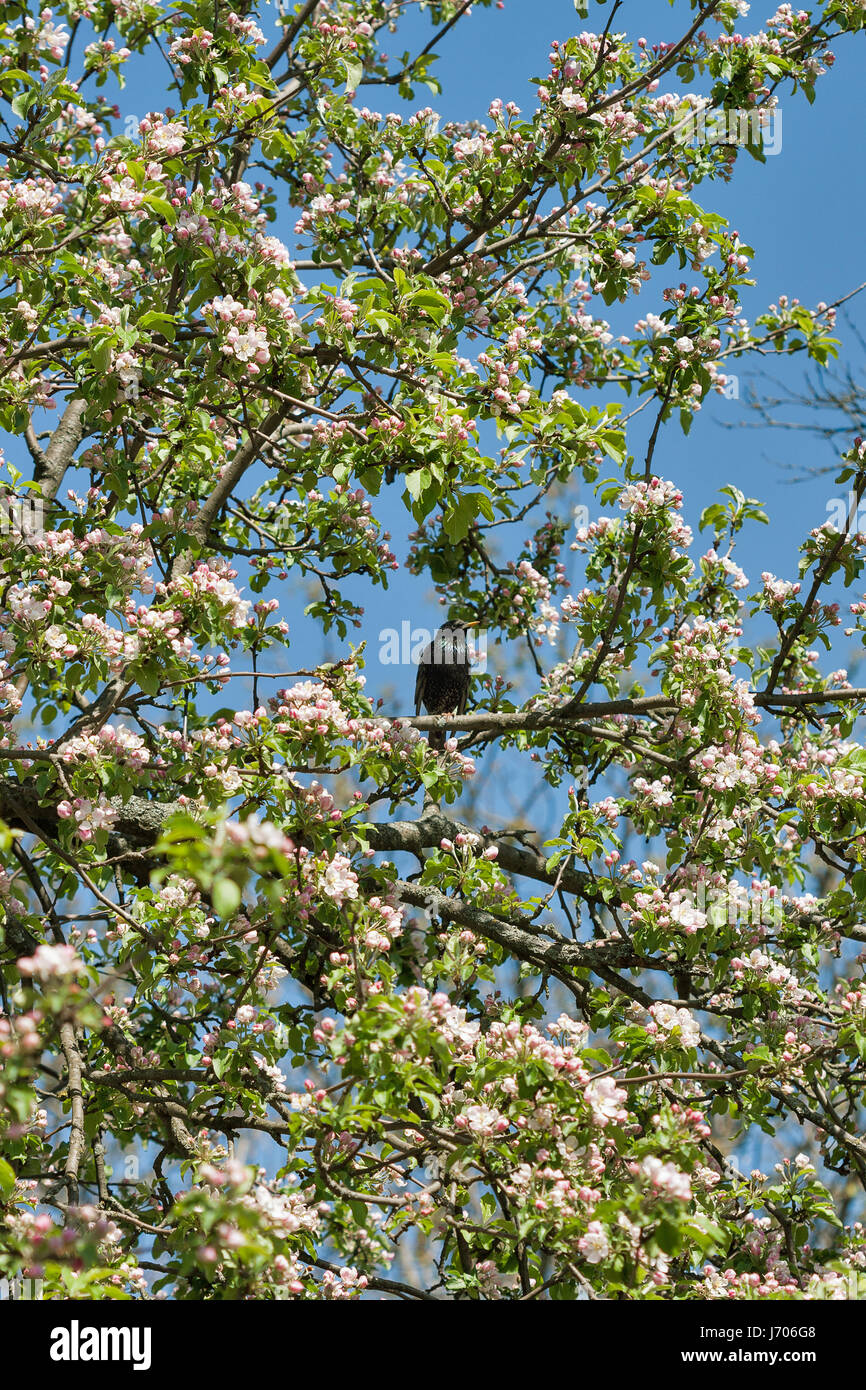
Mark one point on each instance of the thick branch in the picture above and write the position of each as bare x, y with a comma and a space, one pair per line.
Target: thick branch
522, 937
564, 716
232, 474
76, 1130
57, 457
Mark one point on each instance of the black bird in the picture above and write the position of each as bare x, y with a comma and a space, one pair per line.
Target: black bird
442, 684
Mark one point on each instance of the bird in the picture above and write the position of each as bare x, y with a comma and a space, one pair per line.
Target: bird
442, 683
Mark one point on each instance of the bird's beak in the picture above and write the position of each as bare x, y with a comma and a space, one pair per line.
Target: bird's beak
475, 624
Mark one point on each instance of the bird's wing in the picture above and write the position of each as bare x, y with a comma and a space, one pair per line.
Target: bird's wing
420, 681
461, 708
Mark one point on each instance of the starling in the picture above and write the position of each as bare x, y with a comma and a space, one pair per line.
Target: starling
442, 685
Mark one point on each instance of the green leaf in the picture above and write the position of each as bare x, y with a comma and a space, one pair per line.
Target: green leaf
226, 897
758, 1059
163, 323
706, 1233
101, 355
459, 518
149, 678
7, 1178
667, 1237
354, 74
162, 207
436, 305
417, 482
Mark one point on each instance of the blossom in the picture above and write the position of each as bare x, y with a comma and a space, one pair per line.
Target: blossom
690, 918
572, 100
673, 1020
339, 881
457, 1027
667, 1179
594, 1245
51, 36
213, 580
482, 1120
51, 963
605, 1100
165, 139
92, 816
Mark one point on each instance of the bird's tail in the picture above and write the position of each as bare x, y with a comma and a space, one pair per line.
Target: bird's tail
436, 740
